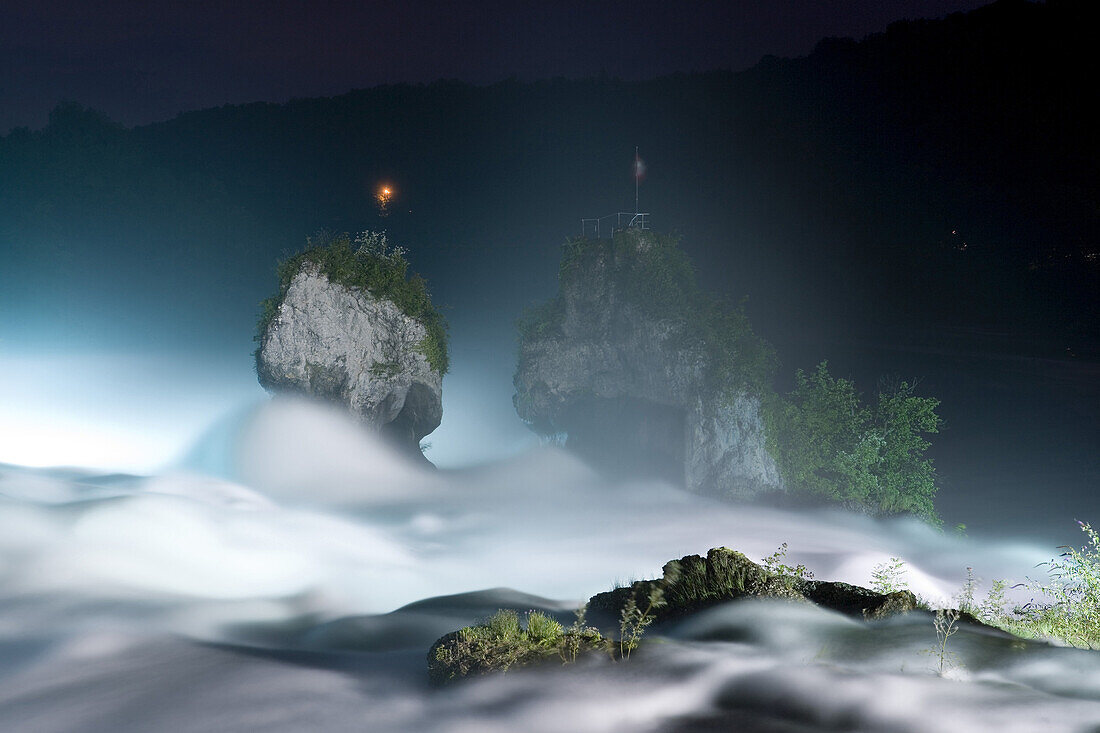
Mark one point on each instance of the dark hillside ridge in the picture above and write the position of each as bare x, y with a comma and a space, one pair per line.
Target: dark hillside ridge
953, 160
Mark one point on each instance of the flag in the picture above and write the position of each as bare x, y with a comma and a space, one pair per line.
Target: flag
639, 167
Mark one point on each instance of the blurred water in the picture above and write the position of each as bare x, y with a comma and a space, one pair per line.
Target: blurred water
291, 574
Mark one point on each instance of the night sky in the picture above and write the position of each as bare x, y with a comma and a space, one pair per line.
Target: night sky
897, 211
140, 62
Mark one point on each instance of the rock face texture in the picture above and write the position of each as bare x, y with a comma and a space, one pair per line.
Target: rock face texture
345, 346
630, 388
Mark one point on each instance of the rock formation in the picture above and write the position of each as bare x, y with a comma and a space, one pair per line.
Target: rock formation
623, 364
694, 583
687, 586
344, 345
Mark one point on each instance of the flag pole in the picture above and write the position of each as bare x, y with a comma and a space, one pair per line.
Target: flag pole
635, 180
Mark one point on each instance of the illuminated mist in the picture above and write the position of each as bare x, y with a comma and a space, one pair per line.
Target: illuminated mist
182, 552
288, 542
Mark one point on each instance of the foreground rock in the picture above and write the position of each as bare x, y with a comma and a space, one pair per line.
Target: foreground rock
688, 585
636, 366
345, 345
694, 583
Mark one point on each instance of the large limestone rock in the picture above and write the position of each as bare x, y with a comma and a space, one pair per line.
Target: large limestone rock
345, 346
629, 389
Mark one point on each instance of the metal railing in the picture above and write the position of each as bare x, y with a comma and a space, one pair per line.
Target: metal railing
621, 220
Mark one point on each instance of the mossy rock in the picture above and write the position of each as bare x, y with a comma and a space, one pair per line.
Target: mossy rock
693, 583
503, 642
690, 584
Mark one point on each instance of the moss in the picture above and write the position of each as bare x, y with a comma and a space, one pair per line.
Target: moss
693, 583
371, 264
541, 322
384, 369
503, 642
326, 381
687, 585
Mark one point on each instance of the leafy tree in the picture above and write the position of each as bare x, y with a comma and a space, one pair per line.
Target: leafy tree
829, 444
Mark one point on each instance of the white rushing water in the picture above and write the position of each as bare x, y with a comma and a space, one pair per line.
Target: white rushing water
261, 586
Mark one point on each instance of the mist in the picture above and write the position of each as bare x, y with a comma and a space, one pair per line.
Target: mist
182, 550
309, 540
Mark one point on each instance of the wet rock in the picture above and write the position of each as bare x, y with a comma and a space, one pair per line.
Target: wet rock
343, 345
694, 583
631, 380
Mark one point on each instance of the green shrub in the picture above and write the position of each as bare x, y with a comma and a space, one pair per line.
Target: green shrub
372, 264
889, 576
1070, 610
543, 630
502, 642
1073, 612
633, 620
828, 444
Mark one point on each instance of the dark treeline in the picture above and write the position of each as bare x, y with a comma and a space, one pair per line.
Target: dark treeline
940, 170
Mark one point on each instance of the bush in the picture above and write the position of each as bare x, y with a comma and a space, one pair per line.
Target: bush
828, 444
502, 643
1073, 612
372, 264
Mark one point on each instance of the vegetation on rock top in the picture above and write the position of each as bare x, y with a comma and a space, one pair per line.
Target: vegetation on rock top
689, 584
503, 642
658, 279
828, 445
1070, 615
369, 263
693, 583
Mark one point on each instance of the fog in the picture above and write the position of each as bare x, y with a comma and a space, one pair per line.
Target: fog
181, 551
268, 571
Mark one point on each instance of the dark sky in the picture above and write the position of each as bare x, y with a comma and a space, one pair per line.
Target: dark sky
146, 61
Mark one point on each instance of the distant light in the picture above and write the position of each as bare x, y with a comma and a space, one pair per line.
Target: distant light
382, 197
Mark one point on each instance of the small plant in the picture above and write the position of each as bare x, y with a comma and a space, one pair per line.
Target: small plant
1070, 612
504, 625
992, 610
946, 625
775, 565
577, 634
633, 620
888, 577
543, 630
966, 596
1073, 613
505, 640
